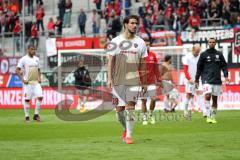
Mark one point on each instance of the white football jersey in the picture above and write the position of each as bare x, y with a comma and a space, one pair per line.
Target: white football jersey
29, 67
191, 61
126, 56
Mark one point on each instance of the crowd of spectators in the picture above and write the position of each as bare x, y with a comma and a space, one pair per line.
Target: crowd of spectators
176, 15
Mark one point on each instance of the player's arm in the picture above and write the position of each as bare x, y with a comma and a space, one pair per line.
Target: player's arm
109, 70
224, 68
200, 65
162, 70
185, 69
157, 73
143, 74
157, 70
19, 73
39, 72
143, 67
39, 75
143, 71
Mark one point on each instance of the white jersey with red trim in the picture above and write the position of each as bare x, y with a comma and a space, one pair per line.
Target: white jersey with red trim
191, 61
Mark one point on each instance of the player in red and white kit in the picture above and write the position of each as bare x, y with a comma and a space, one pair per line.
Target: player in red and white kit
153, 81
190, 69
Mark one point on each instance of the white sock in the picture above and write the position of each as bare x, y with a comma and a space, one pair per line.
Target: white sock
79, 103
200, 101
166, 103
214, 112
144, 116
26, 107
186, 103
37, 107
208, 108
191, 102
84, 100
129, 122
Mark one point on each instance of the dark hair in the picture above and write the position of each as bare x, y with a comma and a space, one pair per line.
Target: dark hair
126, 19
167, 58
30, 46
212, 38
148, 41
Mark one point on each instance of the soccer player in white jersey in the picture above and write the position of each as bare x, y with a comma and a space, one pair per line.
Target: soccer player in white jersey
190, 69
28, 70
126, 57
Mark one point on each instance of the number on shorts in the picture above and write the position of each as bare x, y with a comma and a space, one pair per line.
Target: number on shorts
207, 88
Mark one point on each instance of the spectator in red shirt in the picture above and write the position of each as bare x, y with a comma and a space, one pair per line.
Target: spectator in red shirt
13, 7
194, 22
169, 14
51, 27
16, 38
180, 10
34, 35
39, 17
117, 7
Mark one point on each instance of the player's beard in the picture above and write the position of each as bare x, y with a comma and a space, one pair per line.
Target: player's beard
132, 32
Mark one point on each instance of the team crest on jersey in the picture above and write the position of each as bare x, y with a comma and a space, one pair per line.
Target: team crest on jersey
217, 58
135, 45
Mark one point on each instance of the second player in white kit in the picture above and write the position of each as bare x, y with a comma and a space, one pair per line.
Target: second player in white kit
190, 69
28, 70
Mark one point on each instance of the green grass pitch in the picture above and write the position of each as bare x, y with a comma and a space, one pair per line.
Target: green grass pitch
101, 138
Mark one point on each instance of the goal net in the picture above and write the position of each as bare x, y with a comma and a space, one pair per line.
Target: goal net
95, 61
